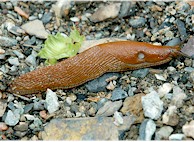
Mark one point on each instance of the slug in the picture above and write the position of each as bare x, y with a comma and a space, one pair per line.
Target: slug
92, 63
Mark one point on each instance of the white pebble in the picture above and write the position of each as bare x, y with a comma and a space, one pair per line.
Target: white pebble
160, 77
164, 89
118, 119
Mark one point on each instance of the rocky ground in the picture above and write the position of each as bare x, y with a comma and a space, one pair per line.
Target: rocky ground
147, 104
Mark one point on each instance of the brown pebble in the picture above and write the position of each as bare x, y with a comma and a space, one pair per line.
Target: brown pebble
43, 114
3, 126
21, 12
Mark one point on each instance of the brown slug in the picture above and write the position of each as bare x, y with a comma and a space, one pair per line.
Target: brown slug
92, 63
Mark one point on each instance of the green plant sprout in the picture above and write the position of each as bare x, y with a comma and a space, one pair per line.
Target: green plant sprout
57, 46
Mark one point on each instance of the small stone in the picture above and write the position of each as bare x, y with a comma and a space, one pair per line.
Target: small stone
51, 101
177, 137
12, 118
131, 90
171, 70
74, 19
138, 22
133, 106
152, 105
19, 54
3, 106
140, 73
181, 29
20, 134
163, 133
36, 28
38, 105
101, 102
7, 41
170, 117
106, 12
43, 114
100, 83
164, 89
178, 96
46, 17
189, 69
118, 94
160, 77
188, 62
128, 8
68, 100
188, 129
191, 77
28, 107
14, 61
21, 12
3, 126
188, 49
173, 42
109, 108
147, 129
111, 85
29, 117
73, 97
23, 126
118, 119
30, 41
98, 128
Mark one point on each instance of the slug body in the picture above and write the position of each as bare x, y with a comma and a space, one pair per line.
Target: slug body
92, 63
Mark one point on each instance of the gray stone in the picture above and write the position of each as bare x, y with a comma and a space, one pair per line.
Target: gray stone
51, 101
46, 17
109, 108
147, 129
100, 83
177, 137
12, 118
163, 133
7, 41
38, 105
128, 8
152, 105
30, 41
14, 61
188, 49
16, 30
164, 89
106, 12
28, 107
181, 29
3, 106
189, 69
36, 28
19, 54
20, 134
21, 127
118, 94
138, 22
131, 90
140, 73
173, 42
178, 96
89, 128
188, 129
101, 102
191, 77
31, 59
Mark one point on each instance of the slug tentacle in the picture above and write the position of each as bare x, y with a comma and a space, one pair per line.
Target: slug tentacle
92, 63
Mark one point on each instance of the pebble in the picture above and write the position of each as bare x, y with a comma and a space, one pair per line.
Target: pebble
111, 85
109, 108
7, 41
14, 61
188, 49
3, 126
20, 134
133, 106
171, 70
152, 105
164, 89
16, 31
131, 90
191, 77
36, 28
22, 126
189, 69
170, 117
74, 19
173, 42
181, 29
68, 100
38, 105
118, 94
101, 102
163, 133
46, 17
12, 118
100, 83
147, 129
31, 59
30, 41
19, 54
118, 119
106, 12
160, 77
98, 128
28, 107
51, 101
188, 129
140, 73
3, 106
178, 96
43, 114
138, 22
128, 8
177, 137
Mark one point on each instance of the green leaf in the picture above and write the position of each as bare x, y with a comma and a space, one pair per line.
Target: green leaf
57, 46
